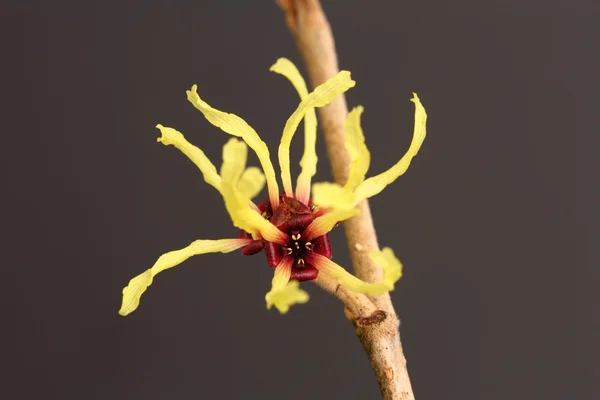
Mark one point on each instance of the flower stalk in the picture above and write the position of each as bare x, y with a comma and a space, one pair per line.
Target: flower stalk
376, 322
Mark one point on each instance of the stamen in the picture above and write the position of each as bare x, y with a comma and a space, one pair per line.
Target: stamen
289, 250
308, 245
296, 237
300, 261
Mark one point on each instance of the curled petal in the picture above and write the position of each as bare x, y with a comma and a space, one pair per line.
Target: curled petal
321, 96
359, 153
392, 272
376, 184
252, 182
392, 267
332, 195
237, 204
175, 138
288, 296
308, 163
234, 125
285, 293
138, 285
325, 223
235, 154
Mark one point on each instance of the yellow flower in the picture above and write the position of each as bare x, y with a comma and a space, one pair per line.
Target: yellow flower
287, 226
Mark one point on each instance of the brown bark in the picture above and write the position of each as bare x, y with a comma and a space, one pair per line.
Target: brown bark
376, 322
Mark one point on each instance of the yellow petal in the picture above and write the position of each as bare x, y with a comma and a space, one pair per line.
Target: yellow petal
332, 195
284, 293
376, 184
359, 153
248, 219
138, 285
286, 297
392, 267
321, 96
349, 281
235, 154
172, 137
325, 223
308, 163
237, 203
234, 125
252, 182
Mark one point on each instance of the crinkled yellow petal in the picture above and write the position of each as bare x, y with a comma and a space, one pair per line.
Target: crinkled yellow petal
325, 223
138, 285
237, 204
285, 293
175, 138
321, 96
248, 219
252, 182
235, 154
349, 281
286, 297
376, 184
234, 125
359, 153
392, 267
328, 194
308, 163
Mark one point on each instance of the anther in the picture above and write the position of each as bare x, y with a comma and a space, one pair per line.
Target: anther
289, 250
308, 245
300, 261
296, 237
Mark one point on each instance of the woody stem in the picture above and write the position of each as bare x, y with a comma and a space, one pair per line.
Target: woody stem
374, 317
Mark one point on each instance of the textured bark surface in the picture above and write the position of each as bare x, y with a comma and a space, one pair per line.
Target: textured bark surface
377, 325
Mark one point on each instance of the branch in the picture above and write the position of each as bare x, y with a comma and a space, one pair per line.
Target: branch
374, 317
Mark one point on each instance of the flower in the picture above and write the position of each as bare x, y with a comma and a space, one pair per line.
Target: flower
291, 230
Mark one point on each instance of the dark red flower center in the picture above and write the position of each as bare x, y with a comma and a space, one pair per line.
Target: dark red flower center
291, 217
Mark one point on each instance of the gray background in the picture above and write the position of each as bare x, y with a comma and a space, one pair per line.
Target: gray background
493, 221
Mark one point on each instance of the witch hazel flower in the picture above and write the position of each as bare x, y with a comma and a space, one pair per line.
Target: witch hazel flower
289, 227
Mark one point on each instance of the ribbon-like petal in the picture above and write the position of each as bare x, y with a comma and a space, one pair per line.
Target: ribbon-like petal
285, 293
332, 195
376, 184
236, 126
321, 96
138, 285
252, 182
354, 142
175, 138
237, 203
325, 223
392, 271
308, 163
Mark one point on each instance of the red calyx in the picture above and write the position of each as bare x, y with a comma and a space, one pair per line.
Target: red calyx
291, 217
